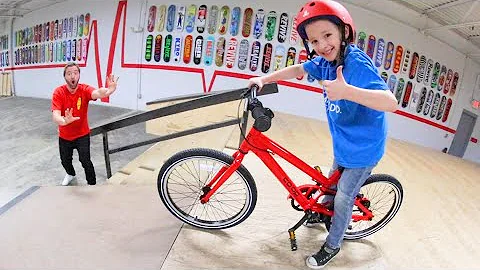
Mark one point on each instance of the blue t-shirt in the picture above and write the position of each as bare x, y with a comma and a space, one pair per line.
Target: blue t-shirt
358, 132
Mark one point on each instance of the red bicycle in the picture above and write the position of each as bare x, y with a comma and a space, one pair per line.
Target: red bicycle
209, 189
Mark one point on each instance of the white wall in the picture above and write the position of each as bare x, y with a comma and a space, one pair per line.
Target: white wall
140, 85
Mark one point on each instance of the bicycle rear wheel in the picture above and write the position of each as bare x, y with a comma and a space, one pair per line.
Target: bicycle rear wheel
180, 182
384, 196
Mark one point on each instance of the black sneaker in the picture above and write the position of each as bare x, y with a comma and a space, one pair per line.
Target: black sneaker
321, 258
315, 219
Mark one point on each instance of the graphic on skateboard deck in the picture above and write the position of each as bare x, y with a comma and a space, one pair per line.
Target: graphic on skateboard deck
52, 31
406, 61
421, 68
415, 96
209, 48
187, 49
190, 21
384, 76
259, 21
428, 72
283, 28
406, 96
158, 48
55, 30
371, 46
74, 29
197, 53
80, 25
64, 51
441, 79
421, 101
74, 49
177, 49
271, 25
212, 20
428, 102
71, 21
60, 31
448, 81
399, 90
267, 57
32, 53
86, 25
453, 89
380, 52
201, 20
294, 37
69, 51
84, 48
243, 54
247, 22
224, 17
167, 51
171, 13
436, 73
278, 57
392, 81
447, 110
220, 52
64, 26
255, 55
361, 40
302, 58
47, 34
436, 104
389, 57
160, 24
398, 59
180, 19
235, 21
231, 52
291, 55
414, 66
79, 49
441, 108
148, 48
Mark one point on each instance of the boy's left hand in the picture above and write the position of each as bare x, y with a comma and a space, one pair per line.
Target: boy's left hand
336, 89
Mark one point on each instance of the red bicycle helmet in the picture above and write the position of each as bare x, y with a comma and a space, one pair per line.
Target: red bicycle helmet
323, 8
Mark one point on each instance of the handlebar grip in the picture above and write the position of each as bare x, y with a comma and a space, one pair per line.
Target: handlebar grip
263, 116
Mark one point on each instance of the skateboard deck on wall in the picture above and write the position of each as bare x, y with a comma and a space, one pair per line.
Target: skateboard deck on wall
224, 16
380, 52
167, 51
70, 27
255, 55
212, 20
80, 25
448, 81
436, 103
406, 61
86, 26
302, 58
177, 49
414, 66
398, 59
231, 53
294, 37
65, 29
282, 28
415, 96
74, 28
161, 15
247, 22
392, 81
361, 40
69, 51
84, 48
389, 57
187, 49
421, 68
435, 75
406, 96
259, 21
47, 34
198, 51
158, 48
371, 46
441, 108
291, 55
271, 25
428, 72
79, 49
171, 13
52, 31
60, 30
428, 102
190, 21
201, 20
278, 57
384, 76
209, 48
235, 21
399, 90
243, 54
180, 19
148, 48
447, 110
64, 51
454, 84
55, 30
74, 49
421, 101
441, 79
220, 52
267, 57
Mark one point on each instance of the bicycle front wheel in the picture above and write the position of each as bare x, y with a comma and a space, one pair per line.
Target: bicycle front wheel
180, 184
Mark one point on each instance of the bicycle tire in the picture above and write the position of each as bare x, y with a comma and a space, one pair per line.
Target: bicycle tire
194, 168
395, 190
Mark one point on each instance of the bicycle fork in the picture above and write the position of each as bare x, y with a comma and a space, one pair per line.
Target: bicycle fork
291, 231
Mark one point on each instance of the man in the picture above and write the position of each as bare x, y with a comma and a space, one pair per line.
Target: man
70, 111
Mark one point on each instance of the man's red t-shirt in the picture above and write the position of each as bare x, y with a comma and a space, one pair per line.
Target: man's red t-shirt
63, 99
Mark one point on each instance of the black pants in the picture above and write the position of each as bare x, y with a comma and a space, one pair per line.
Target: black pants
82, 145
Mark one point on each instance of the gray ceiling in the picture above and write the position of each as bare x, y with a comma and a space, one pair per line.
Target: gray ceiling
437, 18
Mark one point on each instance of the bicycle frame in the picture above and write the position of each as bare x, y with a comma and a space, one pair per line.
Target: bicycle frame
264, 148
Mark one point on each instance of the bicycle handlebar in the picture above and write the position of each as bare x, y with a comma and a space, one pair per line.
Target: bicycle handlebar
263, 116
